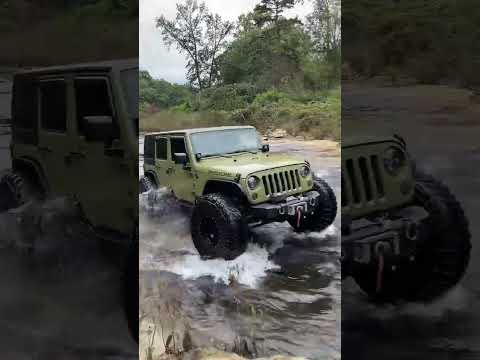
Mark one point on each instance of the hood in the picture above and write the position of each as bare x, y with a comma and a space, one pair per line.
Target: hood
362, 132
247, 163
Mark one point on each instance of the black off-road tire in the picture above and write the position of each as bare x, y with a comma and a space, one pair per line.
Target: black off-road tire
325, 213
442, 256
12, 191
218, 228
131, 291
146, 184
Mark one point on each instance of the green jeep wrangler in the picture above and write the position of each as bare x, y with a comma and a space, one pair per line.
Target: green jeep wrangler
234, 183
404, 235
74, 135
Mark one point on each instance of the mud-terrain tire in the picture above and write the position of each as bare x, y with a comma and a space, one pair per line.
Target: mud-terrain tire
218, 228
325, 213
14, 191
146, 184
443, 251
131, 292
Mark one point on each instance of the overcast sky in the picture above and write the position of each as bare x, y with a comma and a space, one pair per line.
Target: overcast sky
168, 64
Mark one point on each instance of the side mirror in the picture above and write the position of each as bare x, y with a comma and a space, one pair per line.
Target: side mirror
265, 148
180, 158
98, 128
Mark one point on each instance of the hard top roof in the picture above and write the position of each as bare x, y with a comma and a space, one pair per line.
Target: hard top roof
199, 130
99, 65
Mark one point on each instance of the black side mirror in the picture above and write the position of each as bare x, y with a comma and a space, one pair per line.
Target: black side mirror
265, 148
180, 158
98, 128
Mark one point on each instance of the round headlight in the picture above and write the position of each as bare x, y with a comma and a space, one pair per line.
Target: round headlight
393, 160
305, 171
253, 182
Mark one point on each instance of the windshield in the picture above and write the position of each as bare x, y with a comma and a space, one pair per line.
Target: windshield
130, 89
222, 142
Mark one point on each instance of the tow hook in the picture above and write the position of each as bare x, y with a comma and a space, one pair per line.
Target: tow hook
381, 248
411, 231
299, 216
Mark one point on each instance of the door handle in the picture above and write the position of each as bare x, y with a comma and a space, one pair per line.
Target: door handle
77, 155
44, 149
74, 156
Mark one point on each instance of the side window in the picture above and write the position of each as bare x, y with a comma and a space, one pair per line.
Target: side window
24, 103
53, 105
92, 100
162, 148
25, 108
149, 150
178, 145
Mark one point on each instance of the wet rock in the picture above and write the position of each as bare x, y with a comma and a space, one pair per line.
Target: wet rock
279, 133
214, 354
281, 357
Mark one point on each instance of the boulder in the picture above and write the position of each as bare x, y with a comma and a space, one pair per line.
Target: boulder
279, 133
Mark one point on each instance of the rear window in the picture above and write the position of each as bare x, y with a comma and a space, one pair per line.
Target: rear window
53, 105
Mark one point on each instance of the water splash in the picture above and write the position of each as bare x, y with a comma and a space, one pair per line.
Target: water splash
248, 269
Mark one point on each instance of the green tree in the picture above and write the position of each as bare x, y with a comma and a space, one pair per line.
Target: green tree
201, 36
270, 11
324, 25
266, 56
161, 94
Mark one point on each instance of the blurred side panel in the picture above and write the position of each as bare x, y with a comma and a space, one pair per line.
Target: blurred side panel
410, 184
68, 179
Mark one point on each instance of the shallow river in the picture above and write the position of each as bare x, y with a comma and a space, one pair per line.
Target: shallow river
286, 296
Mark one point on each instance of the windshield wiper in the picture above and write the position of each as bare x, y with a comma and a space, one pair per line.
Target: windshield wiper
242, 151
214, 155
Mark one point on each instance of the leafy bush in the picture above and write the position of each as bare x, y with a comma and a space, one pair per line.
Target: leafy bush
222, 98
268, 97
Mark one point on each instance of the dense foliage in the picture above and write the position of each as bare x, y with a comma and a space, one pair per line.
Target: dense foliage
160, 94
52, 32
268, 70
430, 41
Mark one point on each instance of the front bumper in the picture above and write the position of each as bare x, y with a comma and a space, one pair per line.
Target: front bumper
270, 212
398, 235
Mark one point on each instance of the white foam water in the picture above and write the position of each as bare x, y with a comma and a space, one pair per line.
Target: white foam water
332, 230
248, 269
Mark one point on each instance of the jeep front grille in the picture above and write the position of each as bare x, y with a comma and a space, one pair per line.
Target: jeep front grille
281, 182
362, 181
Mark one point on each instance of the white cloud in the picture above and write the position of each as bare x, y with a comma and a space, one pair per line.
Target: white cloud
169, 64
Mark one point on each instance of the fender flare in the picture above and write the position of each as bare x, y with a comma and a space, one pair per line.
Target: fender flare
152, 174
32, 165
